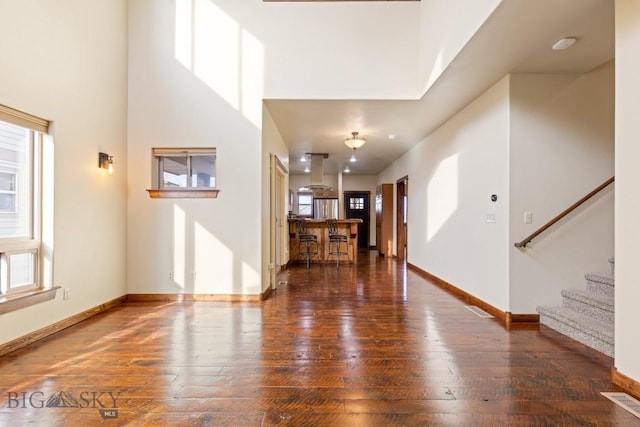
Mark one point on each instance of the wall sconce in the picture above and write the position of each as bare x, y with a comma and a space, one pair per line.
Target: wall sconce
105, 161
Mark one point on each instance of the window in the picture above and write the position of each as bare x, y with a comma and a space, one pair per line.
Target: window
356, 203
7, 192
305, 204
20, 244
184, 172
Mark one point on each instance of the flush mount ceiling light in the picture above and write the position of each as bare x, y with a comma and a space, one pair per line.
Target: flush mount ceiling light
355, 141
564, 43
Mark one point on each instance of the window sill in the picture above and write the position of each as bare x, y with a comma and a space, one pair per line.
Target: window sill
9, 303
207, 193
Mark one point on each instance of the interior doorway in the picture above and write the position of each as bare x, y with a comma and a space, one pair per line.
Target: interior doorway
356, 205
402, 202
279, 227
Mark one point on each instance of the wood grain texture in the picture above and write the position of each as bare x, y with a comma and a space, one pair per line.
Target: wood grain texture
465, 296
194, 297
372, 344
629, 385
9, 303
57, 326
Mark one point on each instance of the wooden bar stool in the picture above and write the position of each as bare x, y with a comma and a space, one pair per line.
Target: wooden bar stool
335, 242
306, 242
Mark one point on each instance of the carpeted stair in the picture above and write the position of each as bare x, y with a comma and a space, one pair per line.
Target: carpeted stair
586, 315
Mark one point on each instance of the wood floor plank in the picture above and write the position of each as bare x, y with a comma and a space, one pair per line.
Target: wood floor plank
372, 344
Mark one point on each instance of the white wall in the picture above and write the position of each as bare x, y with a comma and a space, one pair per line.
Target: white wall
627, 233
341, 50
561, 148
445, 27
66, 61
523, 138
212, 246
452, 175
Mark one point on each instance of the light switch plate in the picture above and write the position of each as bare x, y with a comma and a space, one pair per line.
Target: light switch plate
528, 217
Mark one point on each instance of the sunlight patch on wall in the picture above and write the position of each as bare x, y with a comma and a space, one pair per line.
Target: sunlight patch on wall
436, 71
47, 214
216, 57
184, 33
179, 238
213, 262
227, 58
250, 280
252, 78
442, 195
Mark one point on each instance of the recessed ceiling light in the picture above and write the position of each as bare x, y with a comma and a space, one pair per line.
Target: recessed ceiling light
303, 158
564, 43
392, 136
347, 170
353, 158
307, 170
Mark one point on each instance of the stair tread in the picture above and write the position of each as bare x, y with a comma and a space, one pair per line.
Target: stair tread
603, 277
604, 330
596, 299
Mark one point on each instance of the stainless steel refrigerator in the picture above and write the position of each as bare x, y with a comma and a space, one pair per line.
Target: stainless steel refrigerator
325, 208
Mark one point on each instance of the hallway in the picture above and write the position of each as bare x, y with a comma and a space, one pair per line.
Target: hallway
365, 345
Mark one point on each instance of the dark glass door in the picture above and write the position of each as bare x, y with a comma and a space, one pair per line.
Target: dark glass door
356, 205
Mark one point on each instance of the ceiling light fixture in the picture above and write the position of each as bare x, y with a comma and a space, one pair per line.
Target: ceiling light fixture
355, 141
346, 169
303, 158
306, 169
353, 158
564, 43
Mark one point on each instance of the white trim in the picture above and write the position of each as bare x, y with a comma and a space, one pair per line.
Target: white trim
25, 120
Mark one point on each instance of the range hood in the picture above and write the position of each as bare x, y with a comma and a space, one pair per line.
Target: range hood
317, 173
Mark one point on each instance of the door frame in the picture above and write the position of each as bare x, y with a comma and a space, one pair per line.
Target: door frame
402, 213
278, 232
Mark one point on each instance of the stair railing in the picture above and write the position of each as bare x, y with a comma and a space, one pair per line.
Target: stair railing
564, 213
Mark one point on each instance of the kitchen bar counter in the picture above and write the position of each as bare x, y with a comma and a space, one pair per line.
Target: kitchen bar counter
348, 227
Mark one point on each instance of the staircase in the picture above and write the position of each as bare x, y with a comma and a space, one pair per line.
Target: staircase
586, 315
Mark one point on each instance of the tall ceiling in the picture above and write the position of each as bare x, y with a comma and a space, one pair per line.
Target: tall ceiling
516, 38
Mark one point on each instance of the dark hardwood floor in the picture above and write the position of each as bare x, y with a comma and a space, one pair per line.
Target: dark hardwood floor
366, 345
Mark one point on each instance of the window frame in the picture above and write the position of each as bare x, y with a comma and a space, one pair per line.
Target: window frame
6, 285
31, 241
160, 190
356, 203
310, 204
14, 192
